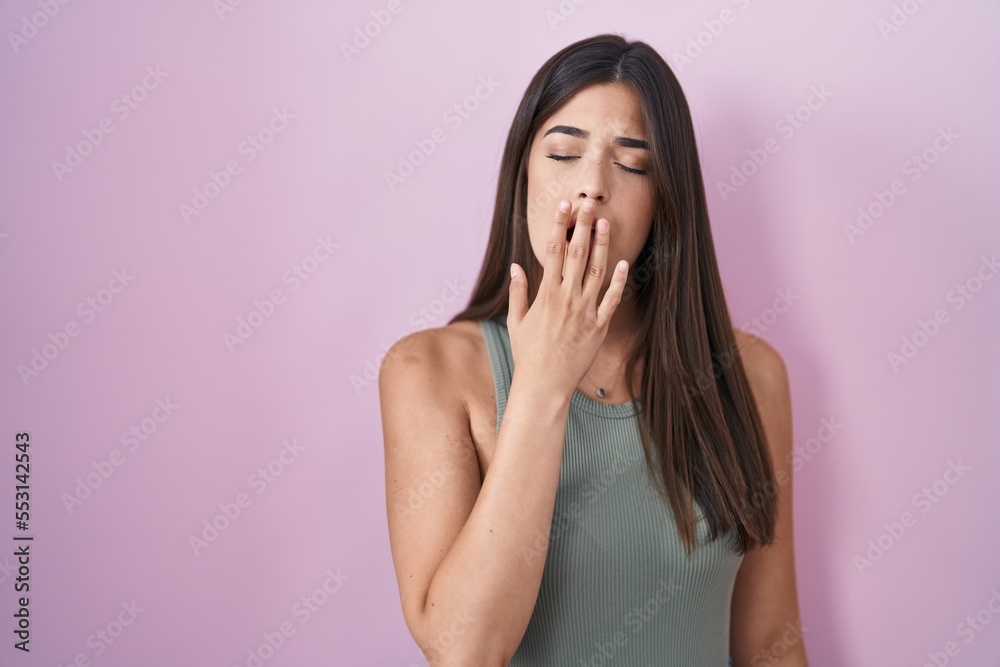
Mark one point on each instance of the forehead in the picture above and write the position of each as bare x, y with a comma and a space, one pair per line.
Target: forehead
602, 110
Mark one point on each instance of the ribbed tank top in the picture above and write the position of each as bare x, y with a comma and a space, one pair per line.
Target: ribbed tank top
617, 587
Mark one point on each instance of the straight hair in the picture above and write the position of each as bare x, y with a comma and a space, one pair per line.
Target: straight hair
698, 421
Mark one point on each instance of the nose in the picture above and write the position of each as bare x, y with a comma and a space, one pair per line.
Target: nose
592, 182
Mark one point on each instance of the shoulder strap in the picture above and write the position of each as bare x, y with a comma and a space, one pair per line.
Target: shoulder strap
501, 360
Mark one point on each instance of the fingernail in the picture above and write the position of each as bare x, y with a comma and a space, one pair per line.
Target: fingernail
563, 206
602, 225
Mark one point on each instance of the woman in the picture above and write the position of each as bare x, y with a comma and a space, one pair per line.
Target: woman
624, 497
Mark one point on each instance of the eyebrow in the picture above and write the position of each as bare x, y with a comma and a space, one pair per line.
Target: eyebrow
584, 134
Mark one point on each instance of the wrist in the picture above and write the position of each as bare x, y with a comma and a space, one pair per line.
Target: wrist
539, 395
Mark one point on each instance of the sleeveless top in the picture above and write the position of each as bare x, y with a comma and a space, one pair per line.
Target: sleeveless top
617, 586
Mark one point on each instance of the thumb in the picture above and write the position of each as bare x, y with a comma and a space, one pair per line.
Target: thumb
518, 302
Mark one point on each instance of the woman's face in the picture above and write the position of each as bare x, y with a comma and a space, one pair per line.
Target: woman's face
592, 148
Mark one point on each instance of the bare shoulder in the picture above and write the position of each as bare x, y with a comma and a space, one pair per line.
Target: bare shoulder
764, 365
435, 359
768, 380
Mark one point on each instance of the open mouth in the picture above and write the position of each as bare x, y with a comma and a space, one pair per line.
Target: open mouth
569, 232
569, 237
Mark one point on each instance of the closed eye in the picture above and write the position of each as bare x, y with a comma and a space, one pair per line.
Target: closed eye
561, 158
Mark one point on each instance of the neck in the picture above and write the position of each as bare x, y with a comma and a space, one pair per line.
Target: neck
623, 327
608, 369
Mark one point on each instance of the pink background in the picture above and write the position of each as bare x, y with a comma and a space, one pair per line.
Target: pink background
405, 258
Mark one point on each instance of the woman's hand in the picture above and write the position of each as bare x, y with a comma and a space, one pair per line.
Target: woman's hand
555, 341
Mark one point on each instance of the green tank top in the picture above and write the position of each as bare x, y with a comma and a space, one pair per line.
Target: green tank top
617, 587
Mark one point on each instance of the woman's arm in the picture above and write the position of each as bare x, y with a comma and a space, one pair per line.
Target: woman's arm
766, 628
468, 555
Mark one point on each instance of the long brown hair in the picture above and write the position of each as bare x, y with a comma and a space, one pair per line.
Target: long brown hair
699, 425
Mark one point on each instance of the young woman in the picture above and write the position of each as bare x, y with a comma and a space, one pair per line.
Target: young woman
589, 465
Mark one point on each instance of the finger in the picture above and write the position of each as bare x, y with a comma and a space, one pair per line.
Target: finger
614, 294
555, 247
579, 245
598, 268
518, 298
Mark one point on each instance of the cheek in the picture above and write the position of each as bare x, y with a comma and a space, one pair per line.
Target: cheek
543, 197
544, 191
633, 238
